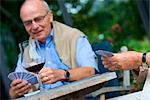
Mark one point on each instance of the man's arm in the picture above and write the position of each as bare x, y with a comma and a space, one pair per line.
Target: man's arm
125, 61
85, 59
81, 73
130, 60
49, 75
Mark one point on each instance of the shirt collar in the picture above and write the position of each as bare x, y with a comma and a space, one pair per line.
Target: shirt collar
49, 39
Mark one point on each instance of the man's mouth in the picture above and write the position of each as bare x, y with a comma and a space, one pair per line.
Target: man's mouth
37, 33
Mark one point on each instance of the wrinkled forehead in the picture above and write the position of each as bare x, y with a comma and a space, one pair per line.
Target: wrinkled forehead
31, 7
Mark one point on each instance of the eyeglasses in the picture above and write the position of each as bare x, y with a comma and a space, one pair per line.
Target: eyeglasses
38, 20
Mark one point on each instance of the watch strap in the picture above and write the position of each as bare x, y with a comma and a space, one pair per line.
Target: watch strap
67, 75
144, 58
143, 70
144, 64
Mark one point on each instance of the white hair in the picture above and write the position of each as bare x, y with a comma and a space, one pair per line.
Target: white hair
46, 5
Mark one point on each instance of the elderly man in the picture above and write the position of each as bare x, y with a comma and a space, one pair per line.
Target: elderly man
67, 52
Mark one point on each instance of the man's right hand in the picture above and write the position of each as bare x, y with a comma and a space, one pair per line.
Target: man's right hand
19, 88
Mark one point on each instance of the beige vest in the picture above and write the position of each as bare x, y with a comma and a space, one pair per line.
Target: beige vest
65, 39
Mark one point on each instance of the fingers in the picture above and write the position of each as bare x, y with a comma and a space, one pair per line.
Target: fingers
46, 75
110, 63
106, 62
43, 70
114, 67
15, 82
23, 90
20, 87
49, 75
48, 79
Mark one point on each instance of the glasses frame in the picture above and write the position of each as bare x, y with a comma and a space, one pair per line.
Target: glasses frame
38, 20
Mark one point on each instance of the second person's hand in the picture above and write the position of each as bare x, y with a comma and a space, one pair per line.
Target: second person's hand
123, 61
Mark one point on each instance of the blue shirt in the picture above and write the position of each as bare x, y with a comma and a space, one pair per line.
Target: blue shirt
84, 57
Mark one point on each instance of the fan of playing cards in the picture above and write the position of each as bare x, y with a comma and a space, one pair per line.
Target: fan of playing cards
31, 78
104, 53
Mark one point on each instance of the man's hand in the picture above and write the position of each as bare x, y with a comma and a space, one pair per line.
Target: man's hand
49, 75
124, 61
19, 88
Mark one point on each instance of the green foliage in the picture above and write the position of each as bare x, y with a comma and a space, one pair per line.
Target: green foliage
119, 23
141, 46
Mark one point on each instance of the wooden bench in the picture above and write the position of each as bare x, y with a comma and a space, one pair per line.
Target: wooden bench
74, 91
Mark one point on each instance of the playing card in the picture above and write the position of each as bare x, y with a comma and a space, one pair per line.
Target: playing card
24, 75
29, 75
31, 78
19, 75
16, 76
11, 76
104, 53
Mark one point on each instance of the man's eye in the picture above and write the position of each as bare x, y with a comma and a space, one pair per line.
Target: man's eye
38, 19
27, 22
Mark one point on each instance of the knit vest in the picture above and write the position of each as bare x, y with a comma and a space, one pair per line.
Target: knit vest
65, 39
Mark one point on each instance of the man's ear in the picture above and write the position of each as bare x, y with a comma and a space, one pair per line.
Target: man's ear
51, 17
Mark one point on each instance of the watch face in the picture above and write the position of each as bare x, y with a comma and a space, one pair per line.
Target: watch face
67, 75
144, 57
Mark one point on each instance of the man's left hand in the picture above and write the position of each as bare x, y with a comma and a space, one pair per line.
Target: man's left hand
50, 76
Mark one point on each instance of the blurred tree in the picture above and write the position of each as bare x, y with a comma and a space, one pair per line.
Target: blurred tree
117, 21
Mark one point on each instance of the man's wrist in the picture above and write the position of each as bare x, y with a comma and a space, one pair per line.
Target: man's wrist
143, 68
148, 59
67, 75
144, 64
63, 75
12, 94
139, 57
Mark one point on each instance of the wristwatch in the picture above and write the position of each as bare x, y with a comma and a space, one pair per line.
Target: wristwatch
143, 70
67, 75
144, 65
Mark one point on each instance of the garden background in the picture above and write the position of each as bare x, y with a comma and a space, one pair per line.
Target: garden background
118, 21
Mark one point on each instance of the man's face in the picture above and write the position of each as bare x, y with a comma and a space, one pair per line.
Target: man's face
37, 21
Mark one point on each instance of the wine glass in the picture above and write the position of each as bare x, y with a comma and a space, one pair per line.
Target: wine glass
32, 65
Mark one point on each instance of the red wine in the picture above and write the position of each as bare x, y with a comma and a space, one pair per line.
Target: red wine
35, 68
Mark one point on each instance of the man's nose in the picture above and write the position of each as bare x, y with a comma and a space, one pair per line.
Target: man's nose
34, 25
